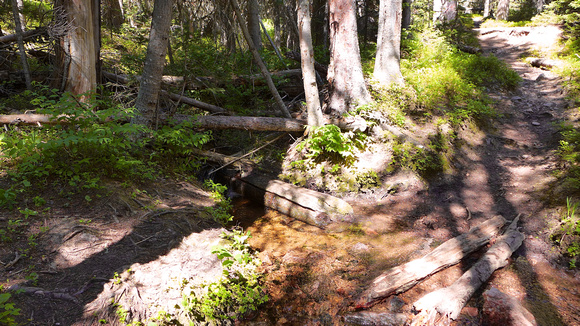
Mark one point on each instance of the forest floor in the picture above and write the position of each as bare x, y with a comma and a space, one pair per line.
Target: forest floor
137, 245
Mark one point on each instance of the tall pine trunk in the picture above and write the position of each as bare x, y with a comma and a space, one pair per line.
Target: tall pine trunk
148, 97
307, 64
345, 75
18, 21
253, 17
387, 63
503, 8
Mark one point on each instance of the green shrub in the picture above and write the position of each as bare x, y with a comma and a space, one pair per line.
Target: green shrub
449, 82
238, 292
221, 211
330, 143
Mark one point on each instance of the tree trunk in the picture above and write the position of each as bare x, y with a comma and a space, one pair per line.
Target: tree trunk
113, 13
444, 10
148, 97
539, 6
19, 31
253, 18
449, 10
307, 63
436, 308
20, 8
406, 19
401, 278
503, 8
345, 75
486, 5
319, 23
387, 63
78, 52
259, 61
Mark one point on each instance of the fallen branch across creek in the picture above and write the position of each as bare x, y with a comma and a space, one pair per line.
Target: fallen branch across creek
401, 278
436, 308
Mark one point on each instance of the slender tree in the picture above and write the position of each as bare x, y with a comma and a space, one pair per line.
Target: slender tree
406, 20
387, 62
345, 76
148, 97
253, 14
259, 61
19, 31
486, 5
307, 64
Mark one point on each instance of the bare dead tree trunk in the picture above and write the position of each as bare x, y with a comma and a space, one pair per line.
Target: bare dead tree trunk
387, 63
148, 96
307, 64
258, 59
19, 31
79, 46
254, 23
503, 8
345, 76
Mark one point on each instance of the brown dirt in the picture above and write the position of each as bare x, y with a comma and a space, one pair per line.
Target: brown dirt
138, 248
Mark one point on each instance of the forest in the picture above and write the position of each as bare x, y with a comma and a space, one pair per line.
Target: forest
271, 162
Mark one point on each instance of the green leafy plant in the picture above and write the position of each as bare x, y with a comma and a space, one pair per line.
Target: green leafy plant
330, 143
221, 211
568, 235
7, 310
238, 291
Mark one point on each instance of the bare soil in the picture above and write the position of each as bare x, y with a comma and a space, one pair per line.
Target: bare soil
136, 245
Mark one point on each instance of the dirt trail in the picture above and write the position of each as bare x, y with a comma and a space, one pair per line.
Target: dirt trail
314, 275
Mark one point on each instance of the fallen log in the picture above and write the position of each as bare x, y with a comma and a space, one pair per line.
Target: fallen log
25, 36
401, 278
438, 307
244, 123
200, 122
542, 63
320, 68
375, 319
281, 204
176, 97
303, 204
468, 49
28, 119
240, 164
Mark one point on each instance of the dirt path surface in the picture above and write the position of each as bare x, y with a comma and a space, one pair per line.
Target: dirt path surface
314, 276
135, 246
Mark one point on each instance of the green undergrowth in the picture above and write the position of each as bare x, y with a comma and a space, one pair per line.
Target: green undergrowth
451, 83
89, 145
237, 293
567, 234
